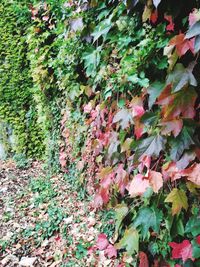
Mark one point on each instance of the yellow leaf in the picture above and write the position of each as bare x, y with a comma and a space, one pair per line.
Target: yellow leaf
105, 171
178, 199
126, 145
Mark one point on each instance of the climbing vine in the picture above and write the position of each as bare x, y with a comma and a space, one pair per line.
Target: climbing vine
115, 90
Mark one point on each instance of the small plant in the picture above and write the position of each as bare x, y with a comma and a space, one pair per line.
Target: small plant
21, 161
3, 245
7, 216
44, 190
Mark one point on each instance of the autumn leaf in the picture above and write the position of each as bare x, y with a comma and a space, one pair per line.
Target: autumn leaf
130, 241
110, 251
154, 16
194, 16
143, 259
102, 242
170, 26
148, 218
138, 185
126, 145
182, 44
121, 178
182, 250
123, 117
156, 180
181, 77
178, 104
178, 199
173, 126
193, 173
105, 171
150, 146
170, 170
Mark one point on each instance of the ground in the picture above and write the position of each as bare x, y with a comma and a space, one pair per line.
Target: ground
44, 221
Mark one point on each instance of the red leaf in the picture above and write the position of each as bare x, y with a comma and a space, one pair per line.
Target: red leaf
110, 251
182, 44
198, 239
145, 162
170, 26
170, 170
192, 173
181, 250
138, 129
154, 16
143, 259
173, 126
102, 242
137, 107
180, 103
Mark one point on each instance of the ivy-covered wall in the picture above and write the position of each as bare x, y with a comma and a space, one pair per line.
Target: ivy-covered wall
112, 87
18, 115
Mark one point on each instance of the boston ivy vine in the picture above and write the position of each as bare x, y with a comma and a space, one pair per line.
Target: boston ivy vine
115, 88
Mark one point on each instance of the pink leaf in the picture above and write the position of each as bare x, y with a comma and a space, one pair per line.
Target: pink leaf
194, 16
156, 180
102, 242
145, 162
170, 170
62, 159
110, 251
173, 126
138, 185
121, 179
192, 173
88, 108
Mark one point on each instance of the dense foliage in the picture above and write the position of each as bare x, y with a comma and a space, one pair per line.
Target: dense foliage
115, 89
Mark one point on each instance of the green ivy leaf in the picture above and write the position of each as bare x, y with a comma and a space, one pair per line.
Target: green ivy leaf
148, 218
120, 212
197, 44
195, 249
193, 226
154, 90
130, 241
151, 146
183, 141
181, 77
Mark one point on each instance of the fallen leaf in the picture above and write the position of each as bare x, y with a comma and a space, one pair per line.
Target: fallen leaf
102, 242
